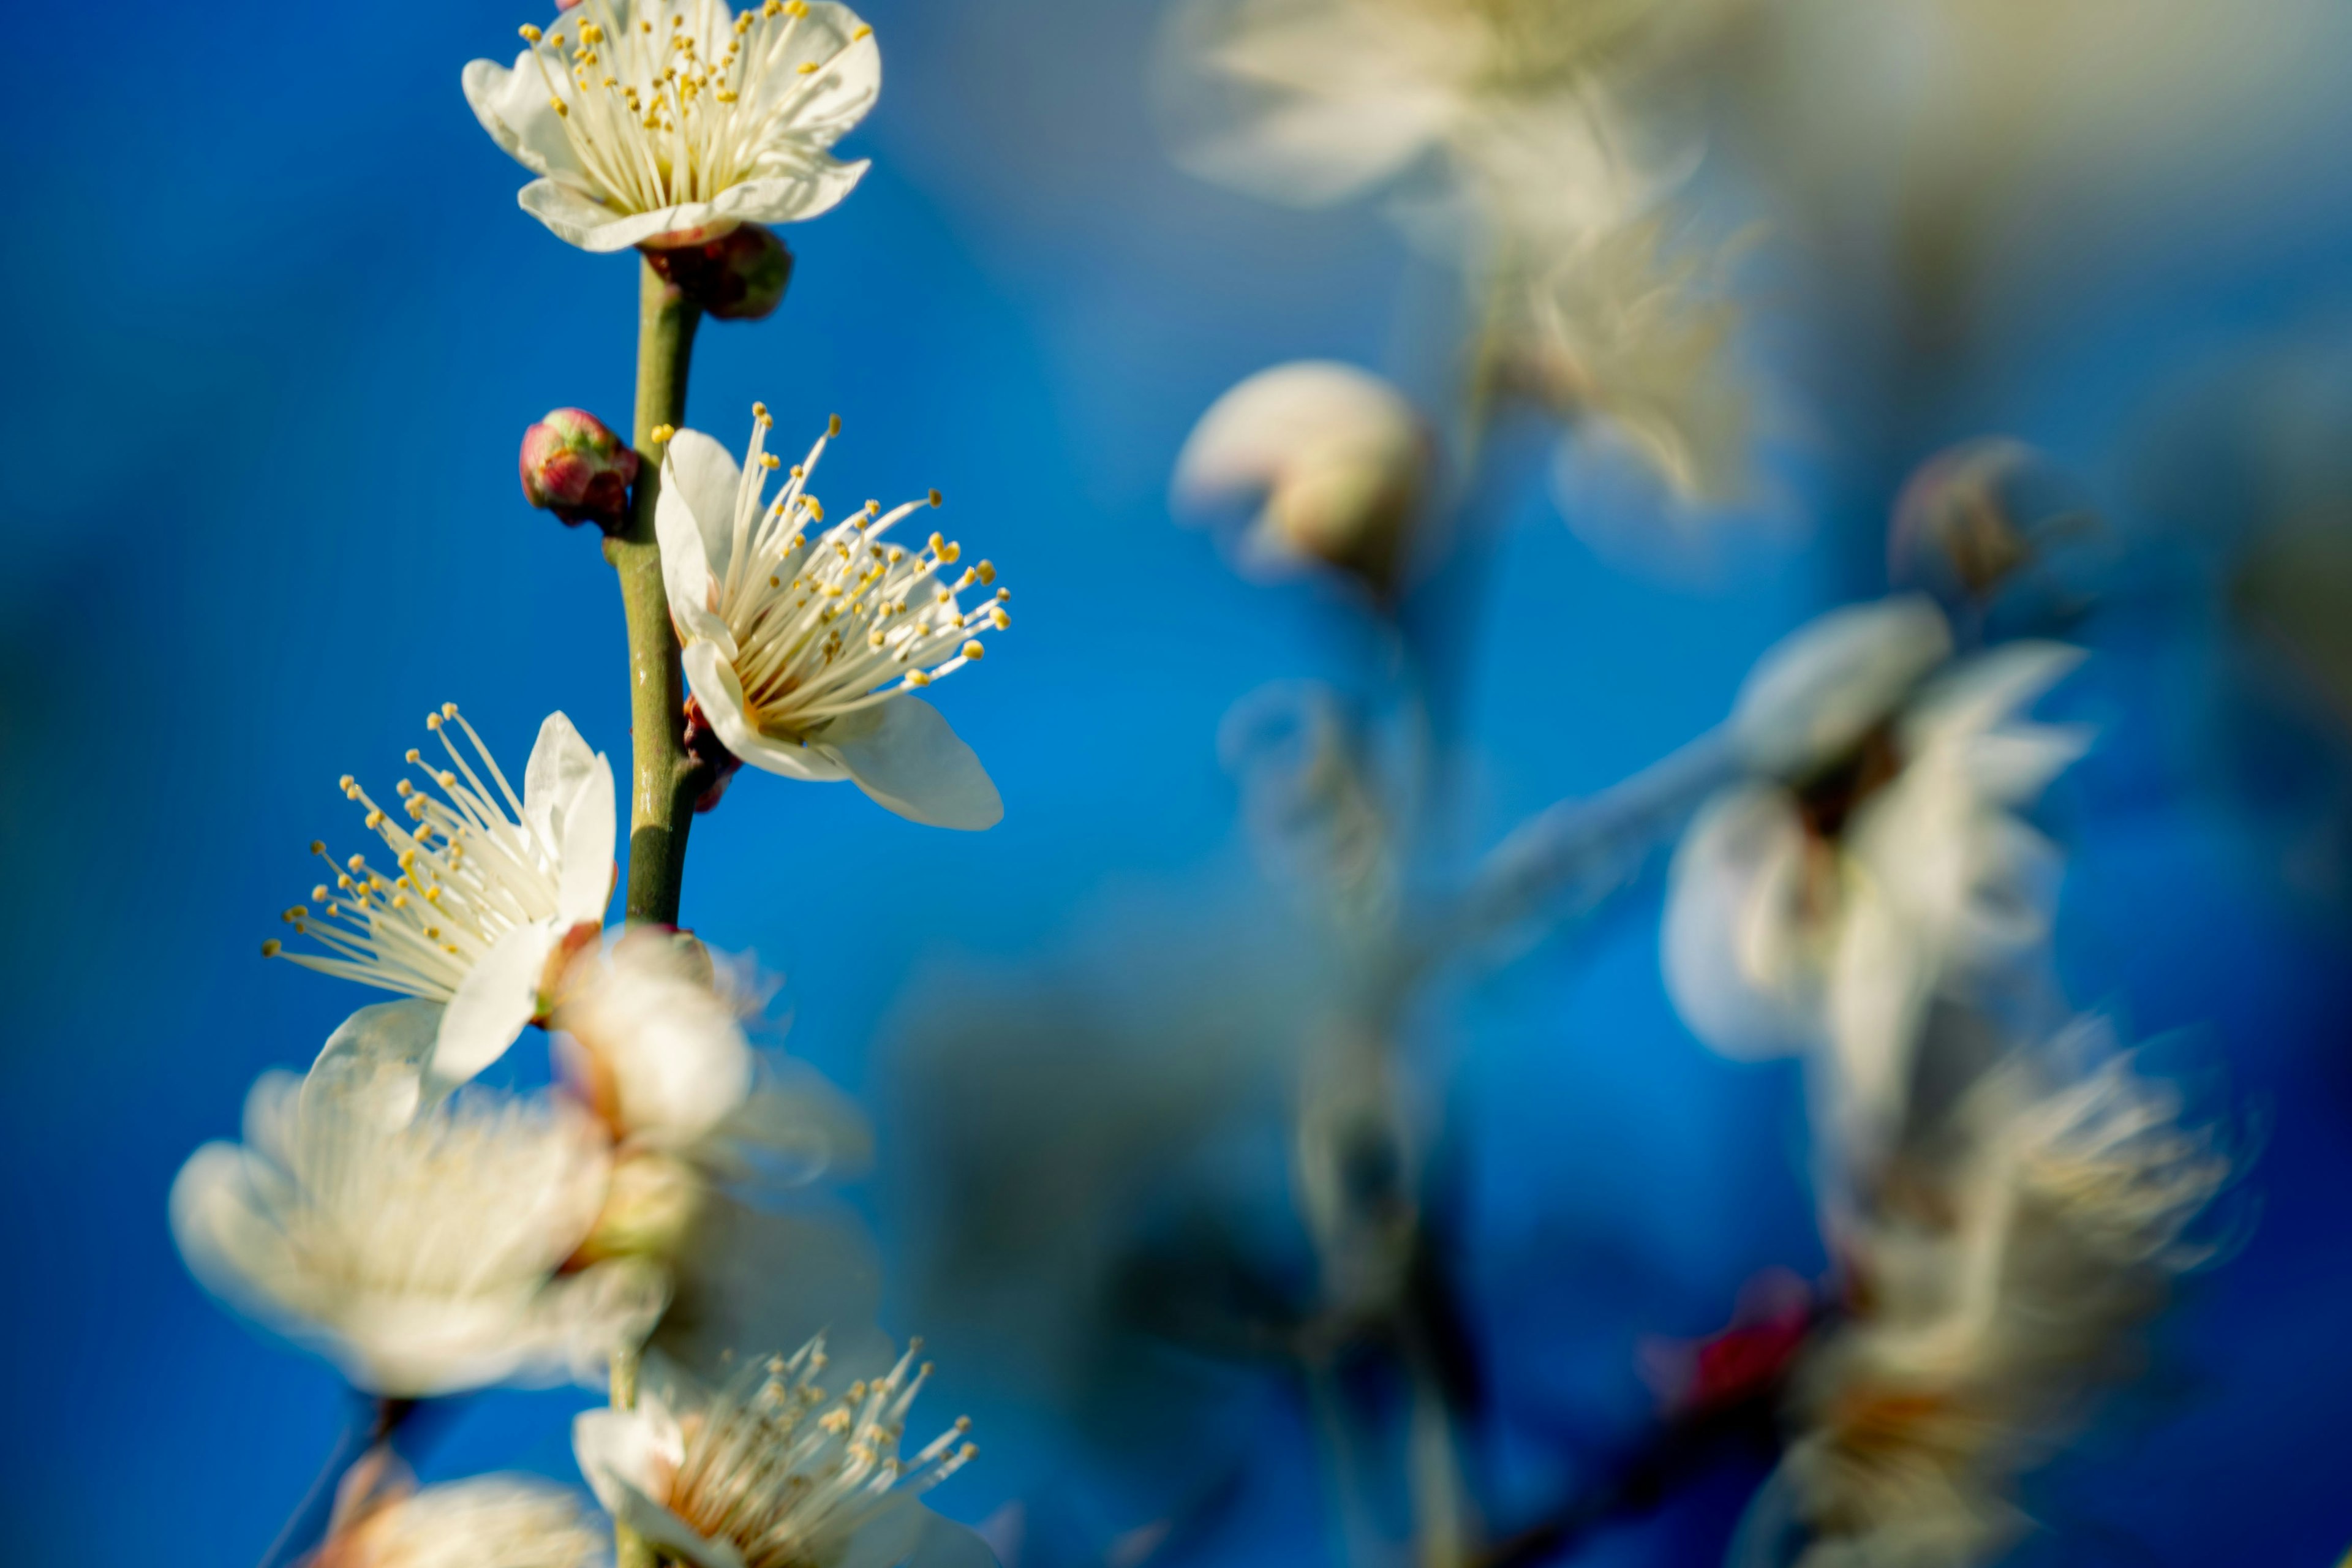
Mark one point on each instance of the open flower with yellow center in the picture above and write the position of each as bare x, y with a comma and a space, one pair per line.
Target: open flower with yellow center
669, 123
774, 1472
421, 1245
482, 890
804, 643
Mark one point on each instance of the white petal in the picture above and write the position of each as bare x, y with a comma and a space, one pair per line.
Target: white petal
380, 1053
716, 686
496, 999
850, 80
231, 1248
560, 764
1731, 886
617, 1448
1881, 977
791, 198
595, 227
944, 1543
694, 519
585, 872
513, 107
1819, 689
903, 753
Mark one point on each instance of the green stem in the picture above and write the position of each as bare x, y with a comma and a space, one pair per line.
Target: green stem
630, 1550
665, 781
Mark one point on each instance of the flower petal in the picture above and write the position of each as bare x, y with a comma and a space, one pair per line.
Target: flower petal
378, 1054
560, 763
513, 107
584, 853
903, 753
496, 999
1821, 688
1731, 890
621, 1449
716, 686
695, 518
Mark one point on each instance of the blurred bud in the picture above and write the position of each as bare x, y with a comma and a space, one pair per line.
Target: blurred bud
1341, 458
1994, 522
575, 468
740, 275
651, 1201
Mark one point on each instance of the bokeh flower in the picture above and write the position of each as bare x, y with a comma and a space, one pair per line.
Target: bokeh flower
383, 1521
661, 123
802, 650
1994, 1298
421, 1246
1339, 456
773, 1472
485, 888
1872, 859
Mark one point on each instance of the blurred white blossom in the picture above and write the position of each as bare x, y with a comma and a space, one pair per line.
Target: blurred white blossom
421, 1246
660, 122
1339, 459
383, 1521
1872, 861
484, 889
803, 651
1994, 1297
775, 1472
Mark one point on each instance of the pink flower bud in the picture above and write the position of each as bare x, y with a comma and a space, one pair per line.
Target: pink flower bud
575, 468
740, 275
703, 744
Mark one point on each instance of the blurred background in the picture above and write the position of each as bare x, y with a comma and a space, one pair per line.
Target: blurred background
274, 327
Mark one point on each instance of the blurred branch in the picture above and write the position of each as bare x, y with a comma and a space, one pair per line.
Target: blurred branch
373, 1421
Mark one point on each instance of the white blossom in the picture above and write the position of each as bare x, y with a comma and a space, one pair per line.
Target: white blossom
803, 648
417, 1244
1999, 1293
1874, 859
483, 889
1339, 456
775, 1472
669, 123
382, 1521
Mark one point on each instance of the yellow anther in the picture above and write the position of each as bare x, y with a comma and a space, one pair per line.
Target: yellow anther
918, 678
760, 412
874, 508
400, 900
987, 570
556, 39
898, 553
414, 756
832, 425
295, 913
661, 432
358, 863
589, 33
998, 618
432, 721
408, 860
938, 544
448, 709
320, 894
1002, 594
558, 105
317, 846
937, 499
374, 820
771, 462
530, 33
403, 789
346, 783
816, 507
448, 780
861, 33
271, 948
973, 650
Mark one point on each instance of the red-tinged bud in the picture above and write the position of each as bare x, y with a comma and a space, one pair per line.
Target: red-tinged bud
740, 275
575, 468
1745, 1362
703, 744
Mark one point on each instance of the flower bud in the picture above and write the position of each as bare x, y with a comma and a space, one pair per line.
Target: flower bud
575, 468
1337, 457
1999, 537
652, 1199
740, 275
703, 744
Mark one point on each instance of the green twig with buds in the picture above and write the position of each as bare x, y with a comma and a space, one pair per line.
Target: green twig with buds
664, 780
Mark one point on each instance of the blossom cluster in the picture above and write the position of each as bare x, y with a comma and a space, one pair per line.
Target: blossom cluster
430, 1233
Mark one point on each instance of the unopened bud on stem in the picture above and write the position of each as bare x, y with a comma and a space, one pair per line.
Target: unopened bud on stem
739, 277
575, 468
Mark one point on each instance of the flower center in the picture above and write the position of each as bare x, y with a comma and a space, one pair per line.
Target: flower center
828, 625
680, 109
464, 875
788, 1475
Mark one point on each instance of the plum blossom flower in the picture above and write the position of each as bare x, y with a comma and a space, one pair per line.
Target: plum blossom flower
773, 1472
1996, 1299
383, 1521
484, 890
649, 1032
421, 1246
669, 123
1872, 859
1339, 456
802, 650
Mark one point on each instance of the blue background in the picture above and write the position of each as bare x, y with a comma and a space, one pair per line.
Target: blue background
273, 329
